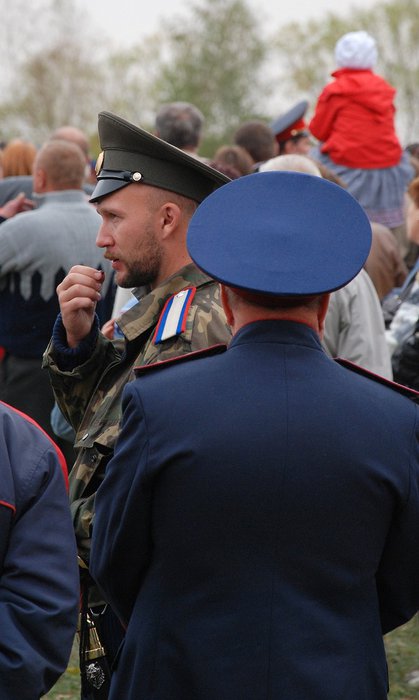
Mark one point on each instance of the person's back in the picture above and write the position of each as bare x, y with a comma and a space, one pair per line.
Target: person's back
37, 249
38, 563
272, 567
356, 121
354, 327
11, 186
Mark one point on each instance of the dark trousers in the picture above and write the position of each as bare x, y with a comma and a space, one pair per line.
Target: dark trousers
25, 386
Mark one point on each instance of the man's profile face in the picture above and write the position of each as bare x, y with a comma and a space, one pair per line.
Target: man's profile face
301, 145
129, 233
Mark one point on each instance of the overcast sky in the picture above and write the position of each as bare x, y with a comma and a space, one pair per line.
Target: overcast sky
128, 20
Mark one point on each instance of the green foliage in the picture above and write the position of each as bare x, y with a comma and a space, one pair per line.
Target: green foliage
215, 56
55, 75
396, 28
214, 59
305, 54
129, 85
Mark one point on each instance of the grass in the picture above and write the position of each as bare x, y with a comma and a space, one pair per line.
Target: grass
68, 686
402, 647
403, 659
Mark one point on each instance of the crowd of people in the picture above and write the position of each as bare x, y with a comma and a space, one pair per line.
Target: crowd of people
218, 359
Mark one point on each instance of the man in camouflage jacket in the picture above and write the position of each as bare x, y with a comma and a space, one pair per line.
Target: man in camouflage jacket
90, 394
146, 194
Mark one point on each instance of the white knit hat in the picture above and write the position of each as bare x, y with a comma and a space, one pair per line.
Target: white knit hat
356, 50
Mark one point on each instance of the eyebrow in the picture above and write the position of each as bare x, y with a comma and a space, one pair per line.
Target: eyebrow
109, 209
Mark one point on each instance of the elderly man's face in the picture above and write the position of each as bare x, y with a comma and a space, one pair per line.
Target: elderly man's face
129, 233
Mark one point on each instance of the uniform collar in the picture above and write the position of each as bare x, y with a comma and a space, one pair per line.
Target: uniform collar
277, 331
133, 324
60, 196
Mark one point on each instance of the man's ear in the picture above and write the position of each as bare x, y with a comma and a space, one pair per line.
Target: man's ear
225, 301
170, 217
322, 311
39, 180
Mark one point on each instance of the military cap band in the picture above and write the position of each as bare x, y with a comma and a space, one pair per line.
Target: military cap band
291, 124
124, 175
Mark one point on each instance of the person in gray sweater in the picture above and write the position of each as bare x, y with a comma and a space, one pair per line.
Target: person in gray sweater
37, 249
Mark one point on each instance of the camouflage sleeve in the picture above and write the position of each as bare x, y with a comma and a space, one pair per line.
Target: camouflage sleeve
73, 389
82, 513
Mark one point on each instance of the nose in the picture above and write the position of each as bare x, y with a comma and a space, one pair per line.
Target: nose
103, 238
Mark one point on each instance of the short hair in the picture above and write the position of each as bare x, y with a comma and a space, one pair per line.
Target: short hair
258, 139
73, 135
180, 124
291, 161
157, 197
63, 163
235, 157
18, 158
413, 148
272, 301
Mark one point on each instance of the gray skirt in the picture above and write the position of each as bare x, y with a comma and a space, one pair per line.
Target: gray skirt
380, 191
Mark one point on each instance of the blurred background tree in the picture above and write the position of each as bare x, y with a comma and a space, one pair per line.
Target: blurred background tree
214, 58
57, 67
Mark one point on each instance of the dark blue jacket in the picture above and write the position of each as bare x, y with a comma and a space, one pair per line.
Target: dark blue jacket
258, 527
38, 562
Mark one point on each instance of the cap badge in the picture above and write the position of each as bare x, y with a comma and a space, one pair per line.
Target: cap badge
99, 162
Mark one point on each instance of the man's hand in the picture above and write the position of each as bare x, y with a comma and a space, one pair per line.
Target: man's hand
16, 206
108, 329
78, 295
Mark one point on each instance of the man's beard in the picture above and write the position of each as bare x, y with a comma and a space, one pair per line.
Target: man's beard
145, 270
138, 275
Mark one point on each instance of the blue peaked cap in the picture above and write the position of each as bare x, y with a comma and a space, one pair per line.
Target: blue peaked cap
280, 233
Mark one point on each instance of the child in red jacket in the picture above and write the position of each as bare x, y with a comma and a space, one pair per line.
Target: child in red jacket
354, 121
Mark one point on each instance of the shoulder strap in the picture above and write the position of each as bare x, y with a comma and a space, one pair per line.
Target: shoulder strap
172, 321
400, 388
195, 355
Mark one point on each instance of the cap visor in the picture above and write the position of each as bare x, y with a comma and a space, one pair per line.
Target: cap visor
105, 187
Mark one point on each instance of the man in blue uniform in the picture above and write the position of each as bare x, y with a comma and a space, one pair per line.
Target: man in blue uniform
261, 547
38, 563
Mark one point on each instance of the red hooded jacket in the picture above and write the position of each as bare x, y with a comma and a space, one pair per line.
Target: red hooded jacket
354, 119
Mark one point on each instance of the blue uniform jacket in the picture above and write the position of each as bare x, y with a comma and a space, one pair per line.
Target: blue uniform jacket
258, 528
38, 562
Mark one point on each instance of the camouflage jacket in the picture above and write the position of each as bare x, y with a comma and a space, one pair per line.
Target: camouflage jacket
90, 395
